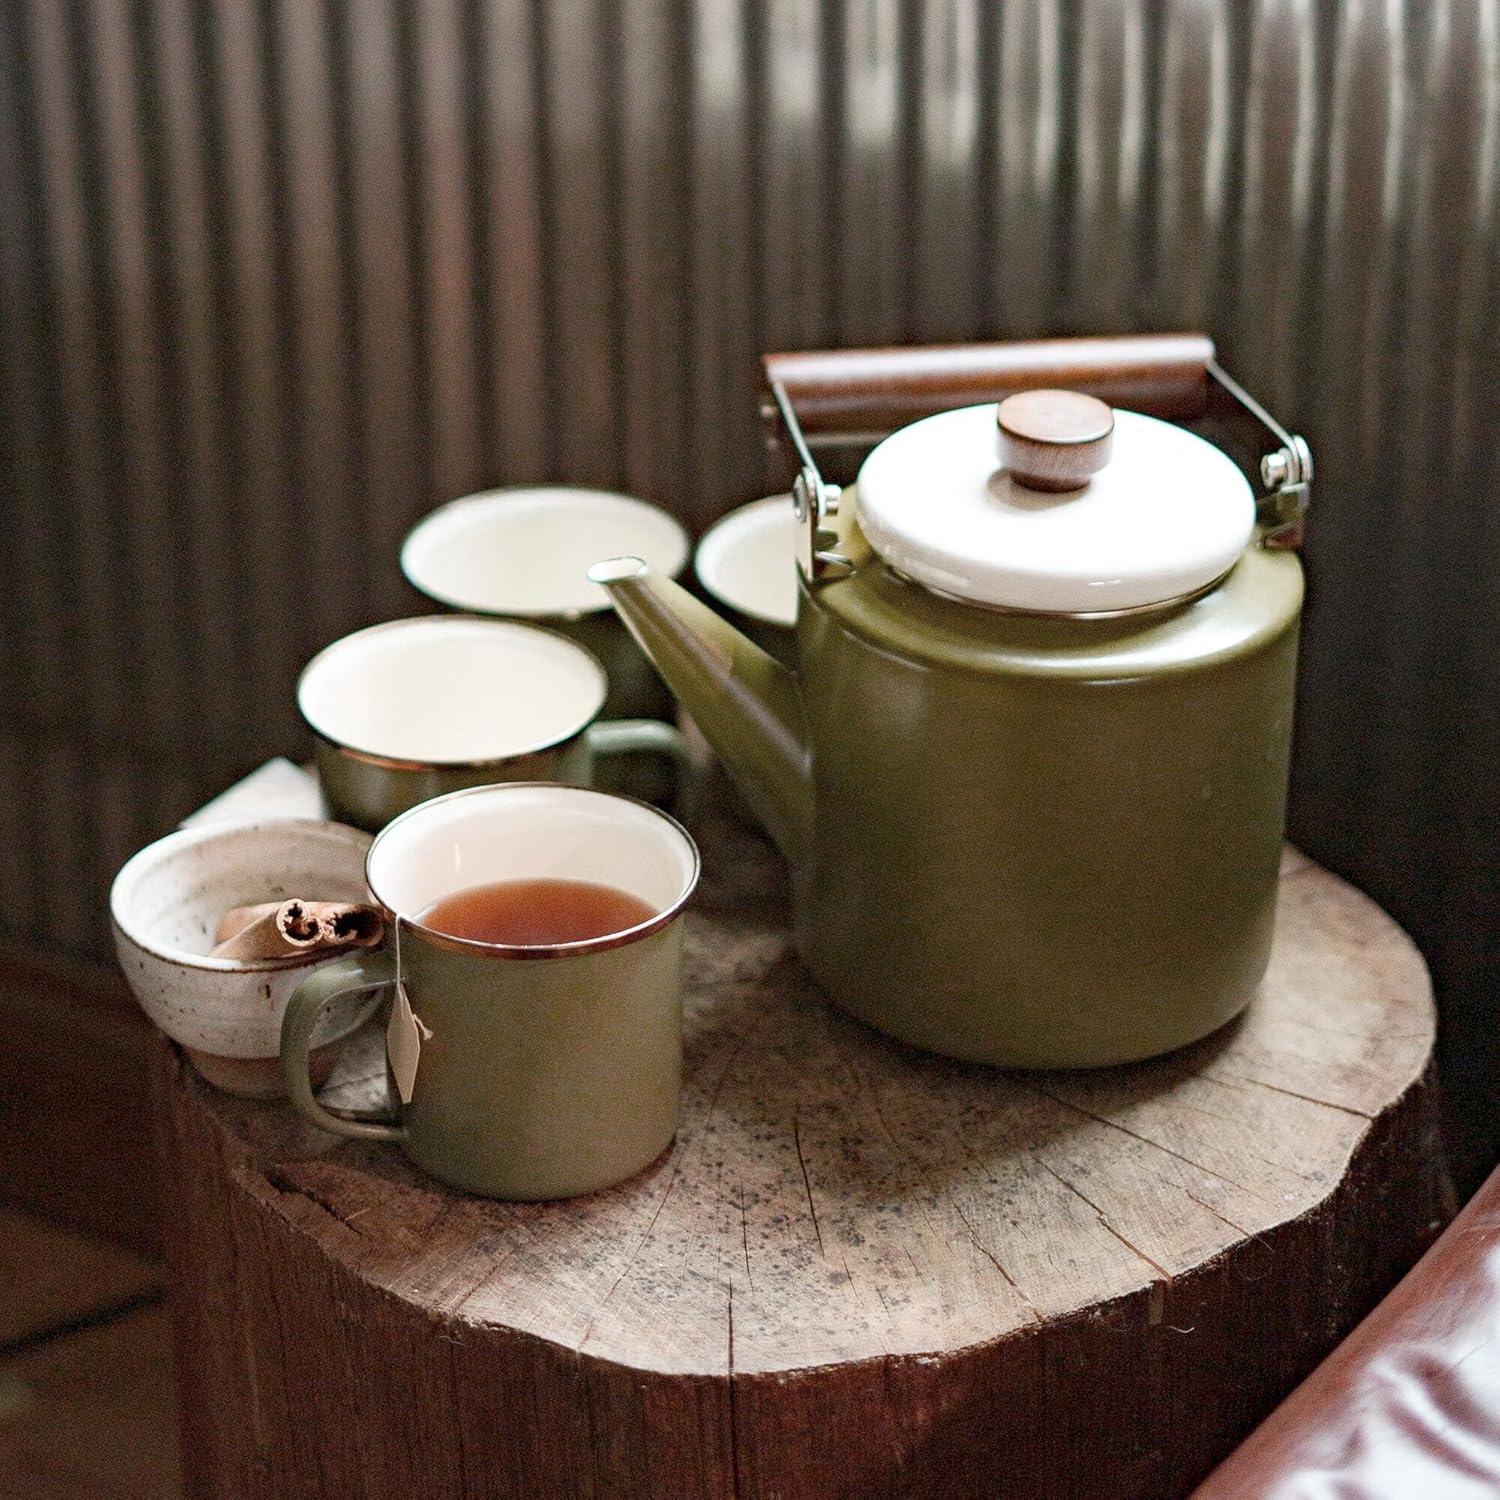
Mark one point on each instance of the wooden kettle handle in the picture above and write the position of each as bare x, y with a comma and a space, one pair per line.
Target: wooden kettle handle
863, 392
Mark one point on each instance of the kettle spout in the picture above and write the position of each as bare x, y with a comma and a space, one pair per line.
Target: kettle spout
745, 702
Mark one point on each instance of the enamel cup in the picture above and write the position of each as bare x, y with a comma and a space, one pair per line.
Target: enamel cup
415, 708
746, 563
524, 554
542, 1072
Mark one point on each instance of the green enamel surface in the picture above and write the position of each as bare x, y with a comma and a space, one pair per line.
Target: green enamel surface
779, 641
368, 796
544, 1078
1069, 872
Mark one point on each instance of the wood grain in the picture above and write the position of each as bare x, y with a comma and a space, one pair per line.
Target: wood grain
839, 392
861, 1270
1054, 440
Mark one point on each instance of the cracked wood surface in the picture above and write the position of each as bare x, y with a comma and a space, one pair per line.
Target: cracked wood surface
833, 1196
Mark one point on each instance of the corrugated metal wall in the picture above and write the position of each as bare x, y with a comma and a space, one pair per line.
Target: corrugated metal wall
279, 276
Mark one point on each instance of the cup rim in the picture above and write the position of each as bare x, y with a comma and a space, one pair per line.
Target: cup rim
182, 838
504, 494
706, 543
482, 763
600, 944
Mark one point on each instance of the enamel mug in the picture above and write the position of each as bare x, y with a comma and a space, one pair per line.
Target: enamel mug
415, 708
524, 554
746, 563
541, 1072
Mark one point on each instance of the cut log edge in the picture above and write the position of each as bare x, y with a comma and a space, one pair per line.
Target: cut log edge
1156, 1294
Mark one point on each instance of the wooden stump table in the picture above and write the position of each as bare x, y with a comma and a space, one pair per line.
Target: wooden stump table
860, 1271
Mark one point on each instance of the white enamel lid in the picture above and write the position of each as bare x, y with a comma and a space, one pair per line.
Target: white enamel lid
1166, 515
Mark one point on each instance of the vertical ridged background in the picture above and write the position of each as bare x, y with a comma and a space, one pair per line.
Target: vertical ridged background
277, 277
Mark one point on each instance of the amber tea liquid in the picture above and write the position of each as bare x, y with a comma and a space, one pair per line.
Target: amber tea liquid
536, 913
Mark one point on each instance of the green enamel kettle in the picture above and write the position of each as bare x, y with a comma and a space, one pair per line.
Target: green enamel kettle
1030, 767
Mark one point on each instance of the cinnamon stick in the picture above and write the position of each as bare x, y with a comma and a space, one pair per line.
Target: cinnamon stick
280, 929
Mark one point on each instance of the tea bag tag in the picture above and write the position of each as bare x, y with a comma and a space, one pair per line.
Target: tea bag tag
404, 1034
403, 1043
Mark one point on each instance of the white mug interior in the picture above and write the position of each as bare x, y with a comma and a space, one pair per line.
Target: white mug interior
526, 552
531, 831
748, 560
451, 690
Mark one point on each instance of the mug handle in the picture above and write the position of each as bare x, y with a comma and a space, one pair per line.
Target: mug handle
633, 736
357, 971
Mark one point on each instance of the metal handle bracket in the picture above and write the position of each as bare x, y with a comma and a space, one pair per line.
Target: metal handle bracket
1286, 472
813, 500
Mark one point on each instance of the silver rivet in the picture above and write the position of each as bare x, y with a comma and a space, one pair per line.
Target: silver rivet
1275, 467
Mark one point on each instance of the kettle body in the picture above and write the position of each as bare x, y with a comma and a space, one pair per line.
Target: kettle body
1043, 842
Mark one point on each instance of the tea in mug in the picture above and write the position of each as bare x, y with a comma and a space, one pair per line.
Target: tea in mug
536, 913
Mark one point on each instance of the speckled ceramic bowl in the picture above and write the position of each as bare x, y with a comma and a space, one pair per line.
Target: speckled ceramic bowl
164, 907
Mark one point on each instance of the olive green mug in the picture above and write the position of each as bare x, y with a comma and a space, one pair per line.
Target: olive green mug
412, 709
523, 553
541, 1071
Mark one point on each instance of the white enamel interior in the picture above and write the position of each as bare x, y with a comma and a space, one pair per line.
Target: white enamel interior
748, 559
527, 831
166, 903
444, 688
1167, 515
527, 551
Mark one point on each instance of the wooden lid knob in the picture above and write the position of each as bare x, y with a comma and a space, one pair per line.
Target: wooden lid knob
1054, 440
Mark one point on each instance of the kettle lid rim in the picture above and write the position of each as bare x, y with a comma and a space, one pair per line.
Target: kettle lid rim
1169, 514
